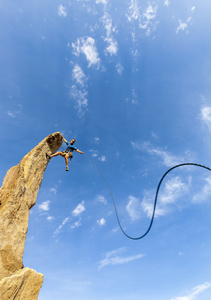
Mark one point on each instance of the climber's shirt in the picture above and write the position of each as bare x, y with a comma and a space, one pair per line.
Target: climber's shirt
69, 150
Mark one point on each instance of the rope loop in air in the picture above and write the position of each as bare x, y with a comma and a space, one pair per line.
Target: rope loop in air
156, 195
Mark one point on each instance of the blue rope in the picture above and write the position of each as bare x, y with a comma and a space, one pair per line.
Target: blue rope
156, 196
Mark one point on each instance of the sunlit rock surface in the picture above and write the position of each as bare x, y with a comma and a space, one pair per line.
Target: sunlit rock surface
25, 284
18, 195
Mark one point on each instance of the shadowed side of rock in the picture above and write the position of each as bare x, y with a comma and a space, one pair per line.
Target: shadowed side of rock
18, 195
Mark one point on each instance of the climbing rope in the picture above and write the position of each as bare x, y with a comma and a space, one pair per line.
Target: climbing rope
156, 195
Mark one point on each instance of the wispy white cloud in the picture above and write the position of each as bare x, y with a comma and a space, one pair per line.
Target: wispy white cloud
134, 208
205, 116
101, 1
44, 206
133, 99
94, 154
62, 11
76, 224
135, 53
101, 222
148, 19
119, 68
113, 258
102, 199
205, 192
168, 158
193, 9
79, 209
79, 76
112, 47
78, 90
194, 292
166, 2
148, 204
173, 189
133, 11
102, 158
86, 45
80, 98
50, 218
11, 114
58, 230
53, 190
183, 25
16, 112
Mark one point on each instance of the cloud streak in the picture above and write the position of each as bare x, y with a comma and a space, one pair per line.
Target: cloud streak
58, 230
79, 209
79, 76
113, 258
86, 46
44, 206
133, 11
194, 292
134, 208
76, 224
16, 112
80, 98
205, 192
205, 115
173, 189
119, 68
183, 26
101, 222
112, 47
102, 199
79, 90
166, 3
146, 20
101, 1
94, 154
168, 158
62, 11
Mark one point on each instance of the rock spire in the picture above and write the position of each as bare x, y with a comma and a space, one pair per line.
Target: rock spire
18, 195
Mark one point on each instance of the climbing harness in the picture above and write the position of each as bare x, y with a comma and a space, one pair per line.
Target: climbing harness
68, 153
156, 195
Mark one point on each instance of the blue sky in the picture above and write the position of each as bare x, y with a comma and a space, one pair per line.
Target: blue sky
130, 81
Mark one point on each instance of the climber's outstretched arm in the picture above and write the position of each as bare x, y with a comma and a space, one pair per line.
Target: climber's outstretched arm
64, 140
77, 150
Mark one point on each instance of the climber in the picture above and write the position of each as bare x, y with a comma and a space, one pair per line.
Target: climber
67, 153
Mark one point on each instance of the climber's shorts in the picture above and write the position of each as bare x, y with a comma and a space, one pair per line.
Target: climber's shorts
68, 154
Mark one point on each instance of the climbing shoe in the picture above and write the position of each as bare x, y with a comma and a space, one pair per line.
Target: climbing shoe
48, 156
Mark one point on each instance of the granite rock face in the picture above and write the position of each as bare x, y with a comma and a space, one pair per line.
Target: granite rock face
18, 195
25, 284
